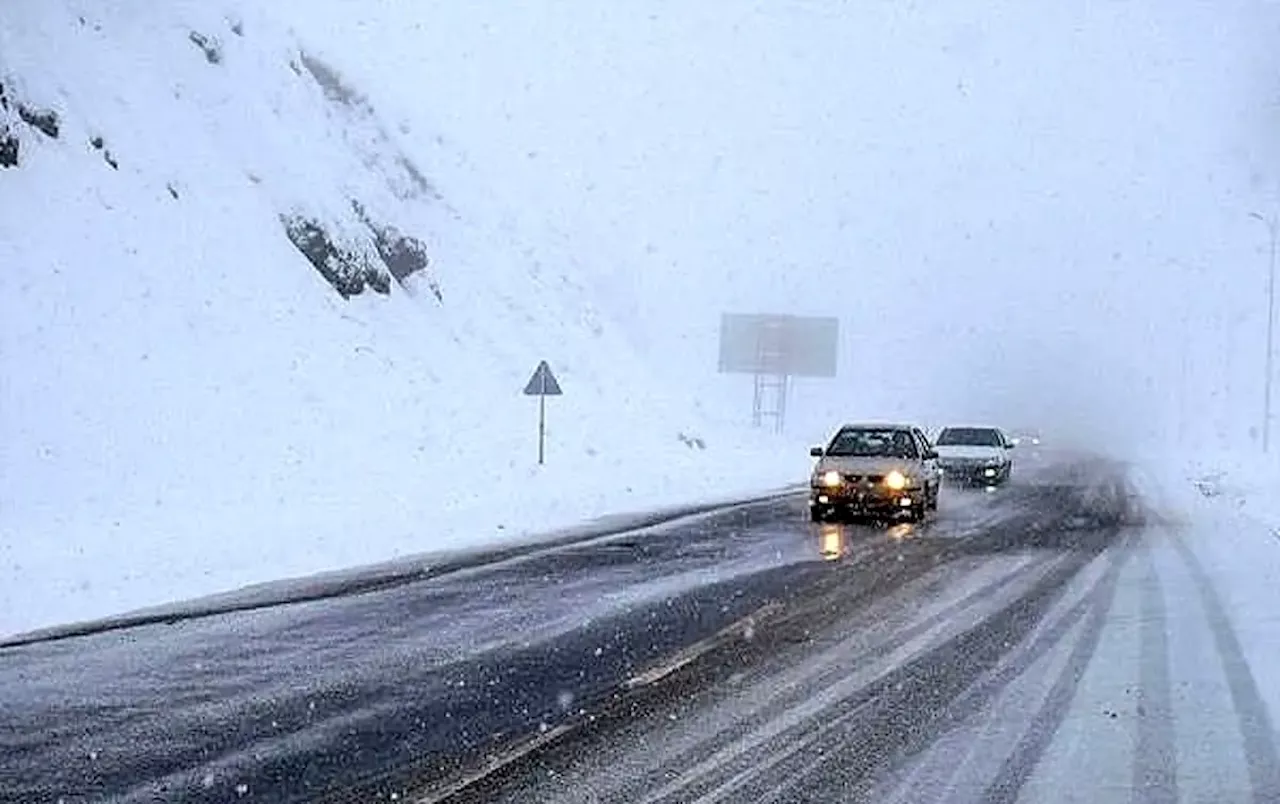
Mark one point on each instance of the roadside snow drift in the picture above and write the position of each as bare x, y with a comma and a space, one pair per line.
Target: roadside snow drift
252, 328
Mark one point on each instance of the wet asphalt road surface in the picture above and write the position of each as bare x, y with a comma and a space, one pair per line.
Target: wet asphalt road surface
746, 655
912, 632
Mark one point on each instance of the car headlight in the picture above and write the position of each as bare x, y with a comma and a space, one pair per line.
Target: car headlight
896, 480
829, 479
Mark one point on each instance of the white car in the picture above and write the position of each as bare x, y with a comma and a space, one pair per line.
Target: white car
885, 470
1025, 438
974, 455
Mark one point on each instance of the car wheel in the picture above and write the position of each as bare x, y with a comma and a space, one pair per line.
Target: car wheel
933, 498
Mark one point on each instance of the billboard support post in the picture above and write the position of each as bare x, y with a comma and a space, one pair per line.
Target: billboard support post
773, 349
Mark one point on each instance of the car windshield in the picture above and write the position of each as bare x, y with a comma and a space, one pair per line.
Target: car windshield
969, 437
873, 443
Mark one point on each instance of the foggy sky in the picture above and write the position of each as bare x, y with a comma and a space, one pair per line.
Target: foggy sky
1019, 211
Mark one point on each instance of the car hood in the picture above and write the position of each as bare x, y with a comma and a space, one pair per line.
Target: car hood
866, 466
970, 453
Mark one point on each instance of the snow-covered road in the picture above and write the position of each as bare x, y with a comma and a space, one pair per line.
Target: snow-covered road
1086, 634
1110, 659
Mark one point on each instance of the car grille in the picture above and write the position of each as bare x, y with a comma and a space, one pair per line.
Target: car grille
858, 479
968, 467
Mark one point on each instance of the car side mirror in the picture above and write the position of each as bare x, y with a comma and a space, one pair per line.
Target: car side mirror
931, 455
816, 452
1011, 445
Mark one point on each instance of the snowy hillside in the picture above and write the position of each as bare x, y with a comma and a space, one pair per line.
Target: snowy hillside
251, 326
273, 275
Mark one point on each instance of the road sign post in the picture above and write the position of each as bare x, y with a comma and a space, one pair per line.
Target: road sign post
542, 385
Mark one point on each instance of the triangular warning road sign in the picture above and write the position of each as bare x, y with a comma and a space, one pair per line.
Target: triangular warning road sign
543, 382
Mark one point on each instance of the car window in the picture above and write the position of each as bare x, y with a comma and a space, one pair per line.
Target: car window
873, 443
970, 437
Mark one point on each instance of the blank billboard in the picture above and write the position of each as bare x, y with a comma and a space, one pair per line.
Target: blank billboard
797, 346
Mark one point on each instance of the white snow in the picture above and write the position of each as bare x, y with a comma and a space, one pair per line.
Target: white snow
1183, 691
1174, 697
188, 407
1227, 508
1243, 480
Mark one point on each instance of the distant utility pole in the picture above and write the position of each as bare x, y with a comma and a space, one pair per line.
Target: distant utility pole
1273, 226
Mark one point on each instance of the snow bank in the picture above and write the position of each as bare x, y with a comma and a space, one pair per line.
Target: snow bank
1247, 481
191, 403
1225, 510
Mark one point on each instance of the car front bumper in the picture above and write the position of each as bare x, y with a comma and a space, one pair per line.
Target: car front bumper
976, 473
863, 499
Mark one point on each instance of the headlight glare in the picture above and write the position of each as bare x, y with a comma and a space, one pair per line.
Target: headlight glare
895, 480
830, 479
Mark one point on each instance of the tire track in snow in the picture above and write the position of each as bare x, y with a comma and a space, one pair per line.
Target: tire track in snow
1155, 759
849, 732
904, 711
1021, 763
753, 746
1255, 724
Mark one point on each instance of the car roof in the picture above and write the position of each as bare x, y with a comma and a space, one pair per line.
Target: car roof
971, 427
878, 426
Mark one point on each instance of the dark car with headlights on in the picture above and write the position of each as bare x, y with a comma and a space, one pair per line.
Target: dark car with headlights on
872, 469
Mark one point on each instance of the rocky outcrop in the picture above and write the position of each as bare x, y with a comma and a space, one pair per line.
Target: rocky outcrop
100, 145
8, 148
44, 120
210, 47
347, 269
404, 255
13, 113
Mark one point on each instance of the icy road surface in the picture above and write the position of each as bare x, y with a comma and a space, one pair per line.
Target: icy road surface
1054, 641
